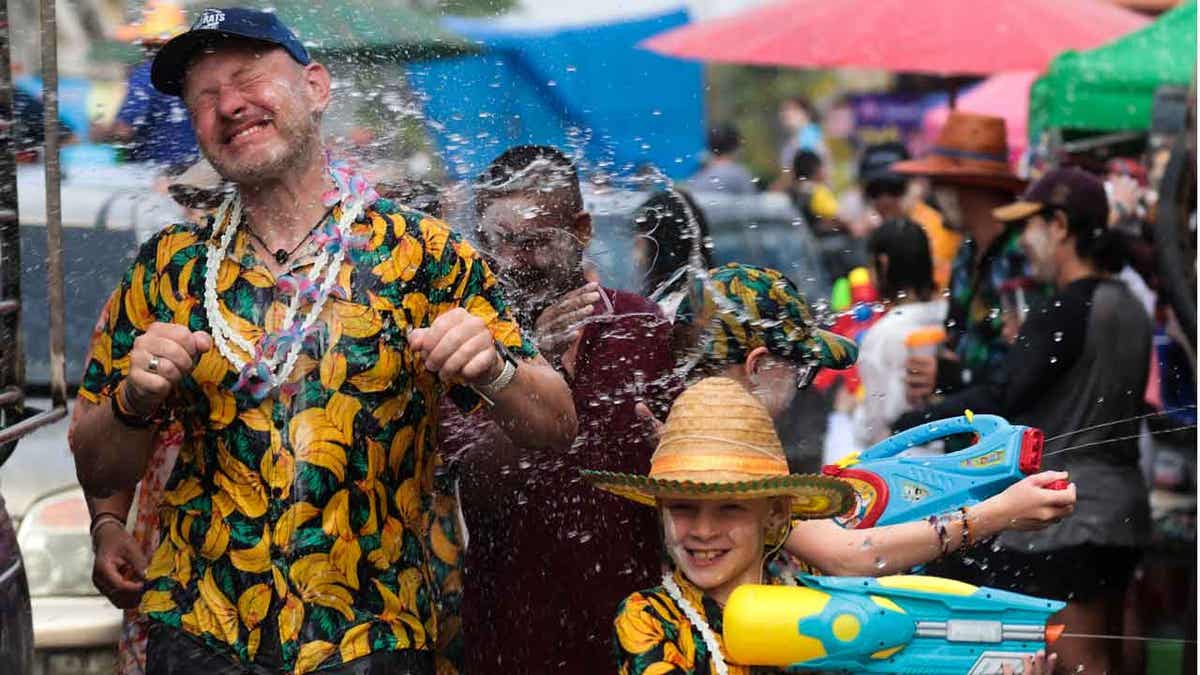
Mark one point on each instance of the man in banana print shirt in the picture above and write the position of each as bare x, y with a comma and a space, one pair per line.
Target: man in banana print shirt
303, 336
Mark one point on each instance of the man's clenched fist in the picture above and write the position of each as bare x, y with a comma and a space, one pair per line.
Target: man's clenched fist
458, 347
161, 358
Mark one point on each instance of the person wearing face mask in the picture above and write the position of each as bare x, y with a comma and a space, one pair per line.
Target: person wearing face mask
1077, 370
969, 169
540, 574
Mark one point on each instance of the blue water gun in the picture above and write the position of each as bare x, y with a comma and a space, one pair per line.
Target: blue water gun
896, 624
893, 489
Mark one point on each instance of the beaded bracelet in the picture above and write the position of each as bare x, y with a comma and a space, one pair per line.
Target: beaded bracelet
939, 527
967, 538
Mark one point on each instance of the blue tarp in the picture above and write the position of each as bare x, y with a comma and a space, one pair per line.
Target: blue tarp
588, 90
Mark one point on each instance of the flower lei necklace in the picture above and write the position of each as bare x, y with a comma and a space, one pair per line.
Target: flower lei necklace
275, 355
706, 631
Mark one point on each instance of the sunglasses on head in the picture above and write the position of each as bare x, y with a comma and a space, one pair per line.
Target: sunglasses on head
806, 373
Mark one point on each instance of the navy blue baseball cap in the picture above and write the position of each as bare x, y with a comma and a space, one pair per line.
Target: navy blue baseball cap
212, 26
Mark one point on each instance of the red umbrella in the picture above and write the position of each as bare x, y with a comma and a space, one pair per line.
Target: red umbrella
944, 37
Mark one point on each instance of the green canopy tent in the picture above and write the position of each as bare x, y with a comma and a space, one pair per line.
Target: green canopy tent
1111, 88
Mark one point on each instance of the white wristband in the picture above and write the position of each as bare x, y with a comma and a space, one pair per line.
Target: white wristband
502, 380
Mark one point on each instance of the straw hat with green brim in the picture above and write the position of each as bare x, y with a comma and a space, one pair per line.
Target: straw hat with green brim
719, 443
743, 307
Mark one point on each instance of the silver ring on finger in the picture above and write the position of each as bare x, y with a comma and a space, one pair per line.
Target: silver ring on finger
152, 366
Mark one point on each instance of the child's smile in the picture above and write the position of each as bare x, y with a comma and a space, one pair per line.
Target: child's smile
717, 544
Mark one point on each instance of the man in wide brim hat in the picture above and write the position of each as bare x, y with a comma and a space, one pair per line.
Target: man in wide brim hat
968, 167
971, 149
719, 443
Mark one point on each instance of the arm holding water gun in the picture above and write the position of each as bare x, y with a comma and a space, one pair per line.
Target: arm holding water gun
1029, 504
912, 510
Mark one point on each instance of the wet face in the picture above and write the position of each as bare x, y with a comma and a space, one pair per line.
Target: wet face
1038, 243
775, 382
793, 117
532, 244
255, 110
947, 197
718, 545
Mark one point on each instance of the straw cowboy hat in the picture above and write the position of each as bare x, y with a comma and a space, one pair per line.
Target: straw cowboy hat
161, 21
719, 443
971, 149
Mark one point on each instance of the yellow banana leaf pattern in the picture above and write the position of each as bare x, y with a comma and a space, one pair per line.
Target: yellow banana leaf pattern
314, 505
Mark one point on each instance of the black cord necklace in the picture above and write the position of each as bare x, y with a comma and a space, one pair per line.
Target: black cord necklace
282, 256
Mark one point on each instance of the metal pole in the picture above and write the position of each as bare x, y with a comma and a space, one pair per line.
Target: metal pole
54, 251
12, 371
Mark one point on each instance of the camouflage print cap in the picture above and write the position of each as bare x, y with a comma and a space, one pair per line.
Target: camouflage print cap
760, 307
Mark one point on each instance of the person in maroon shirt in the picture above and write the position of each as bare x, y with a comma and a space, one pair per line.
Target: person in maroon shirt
546, 559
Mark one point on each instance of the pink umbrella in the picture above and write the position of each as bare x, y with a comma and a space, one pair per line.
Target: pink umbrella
1005, 95
945, 37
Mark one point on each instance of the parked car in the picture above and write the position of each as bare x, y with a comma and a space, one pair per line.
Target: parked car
72, 629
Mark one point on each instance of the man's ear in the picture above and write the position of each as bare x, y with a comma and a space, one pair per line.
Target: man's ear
755, 361
1059, 230
581, 227
319, 82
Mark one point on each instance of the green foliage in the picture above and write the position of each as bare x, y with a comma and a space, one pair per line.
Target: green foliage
749, 97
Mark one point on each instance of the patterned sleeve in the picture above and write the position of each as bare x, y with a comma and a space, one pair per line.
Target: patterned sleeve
647, 642
464, 280
131, 308
458, 277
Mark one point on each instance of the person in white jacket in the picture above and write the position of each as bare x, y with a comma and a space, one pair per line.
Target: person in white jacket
902, 271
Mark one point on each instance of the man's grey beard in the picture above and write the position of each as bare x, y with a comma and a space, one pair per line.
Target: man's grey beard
300, 144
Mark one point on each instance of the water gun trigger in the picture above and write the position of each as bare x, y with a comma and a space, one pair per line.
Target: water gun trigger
847, 461
1060, 484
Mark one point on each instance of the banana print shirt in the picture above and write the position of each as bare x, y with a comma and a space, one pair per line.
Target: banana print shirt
653, 636
297, 521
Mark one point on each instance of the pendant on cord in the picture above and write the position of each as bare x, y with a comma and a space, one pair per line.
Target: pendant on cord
281, 256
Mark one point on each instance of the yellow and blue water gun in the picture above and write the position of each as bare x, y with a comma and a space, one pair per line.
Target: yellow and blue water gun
898, 489
896, 624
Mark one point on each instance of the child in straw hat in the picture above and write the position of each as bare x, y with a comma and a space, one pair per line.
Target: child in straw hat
720, 481
756, 328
